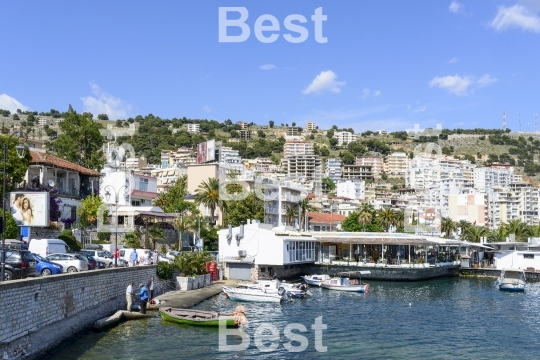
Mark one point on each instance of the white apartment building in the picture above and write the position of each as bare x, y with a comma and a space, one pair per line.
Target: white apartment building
376, 163
332, 169
517, 201
231, 157
310, 126
133, 189
487, 177
351, 189
397, 165
193, 128
344, 137
178, 158
307, 169
298, 147
166, 177
361, 172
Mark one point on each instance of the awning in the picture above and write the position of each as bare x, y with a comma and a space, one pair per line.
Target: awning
369, 238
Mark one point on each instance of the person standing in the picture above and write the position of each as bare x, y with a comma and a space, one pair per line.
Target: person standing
356, 255
150, 287
129, 296
133, 257
155, 257
143, 296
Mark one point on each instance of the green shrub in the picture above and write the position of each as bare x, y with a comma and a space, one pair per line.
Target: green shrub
164, 270
104, 236
71, 242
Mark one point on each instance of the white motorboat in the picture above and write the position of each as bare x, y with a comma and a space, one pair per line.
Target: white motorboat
277, 287
293, 290
315, 280
251, 294
511, 280
347, 284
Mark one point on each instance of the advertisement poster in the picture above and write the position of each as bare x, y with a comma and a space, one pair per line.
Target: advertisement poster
201, 153
210, 150
30, 208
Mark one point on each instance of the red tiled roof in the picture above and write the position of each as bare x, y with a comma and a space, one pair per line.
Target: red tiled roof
48, 159
145, 194
325, 218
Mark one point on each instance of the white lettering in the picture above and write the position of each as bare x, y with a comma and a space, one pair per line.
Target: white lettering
224, 23
259, 28
319, 327
273, 337
295, 337
318, 18
296, 28
224, 332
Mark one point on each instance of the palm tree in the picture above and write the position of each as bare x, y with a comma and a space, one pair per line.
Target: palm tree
207, 194
463, 225
448, 226
160, 200
517, 227
305, 208
364, 218
533, 230
475, 233
385, 217
367, 207
290, 214
399, 219
498, 235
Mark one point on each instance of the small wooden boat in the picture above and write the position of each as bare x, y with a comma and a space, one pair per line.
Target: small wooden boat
315, 280
511, 280
253, 294
347, 284
196, 317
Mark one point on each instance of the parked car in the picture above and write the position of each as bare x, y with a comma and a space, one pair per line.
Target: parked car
121, 262
162, 257
172, 254
92, 263
101, 265
45, 267
19, 264
71, 262
99, 255
94, 247
45, 247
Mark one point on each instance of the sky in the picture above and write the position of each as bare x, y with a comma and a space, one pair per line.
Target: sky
366, 65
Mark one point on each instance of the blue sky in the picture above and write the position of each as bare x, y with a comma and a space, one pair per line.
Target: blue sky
385, 65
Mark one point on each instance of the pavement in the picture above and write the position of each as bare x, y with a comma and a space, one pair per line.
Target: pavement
186, 299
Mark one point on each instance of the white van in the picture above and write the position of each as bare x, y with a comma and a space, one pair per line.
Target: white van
141, 253
44, 247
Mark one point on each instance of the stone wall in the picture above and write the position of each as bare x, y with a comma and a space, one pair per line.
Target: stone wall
37, 314
386, 273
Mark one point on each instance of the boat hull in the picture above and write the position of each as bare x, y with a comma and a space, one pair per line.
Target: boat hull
251, 296
353, 288
519, 287
224, 320
314, 282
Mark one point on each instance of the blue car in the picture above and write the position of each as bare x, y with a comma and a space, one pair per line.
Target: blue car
44, 267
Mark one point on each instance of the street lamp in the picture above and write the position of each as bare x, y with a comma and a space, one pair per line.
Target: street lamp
116, 196
20, 149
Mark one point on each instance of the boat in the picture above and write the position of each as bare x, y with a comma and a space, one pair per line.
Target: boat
197, 317
315, 280
347, 284
254, 294
511, 280
294, 290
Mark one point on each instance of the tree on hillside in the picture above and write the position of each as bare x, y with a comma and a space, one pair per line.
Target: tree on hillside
103, 117
271, 123
207, 194
80, 141
89, 210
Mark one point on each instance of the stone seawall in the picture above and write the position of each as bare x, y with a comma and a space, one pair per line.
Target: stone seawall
386, 273
532, 276
37, 314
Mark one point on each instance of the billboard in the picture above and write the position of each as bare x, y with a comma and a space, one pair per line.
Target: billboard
206, 152
30, 208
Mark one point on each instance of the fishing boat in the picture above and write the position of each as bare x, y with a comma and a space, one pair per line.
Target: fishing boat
293, 290
197, 317
511, 280
254, 294
347, 284
315, 280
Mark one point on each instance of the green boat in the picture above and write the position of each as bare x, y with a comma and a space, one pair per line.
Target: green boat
196, 317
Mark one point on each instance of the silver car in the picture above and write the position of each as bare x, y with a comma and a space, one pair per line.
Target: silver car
71, 262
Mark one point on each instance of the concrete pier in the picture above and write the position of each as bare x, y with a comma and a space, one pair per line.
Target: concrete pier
186, 299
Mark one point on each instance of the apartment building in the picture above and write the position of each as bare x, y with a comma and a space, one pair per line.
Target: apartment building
298, 147
524, 200
193, 128
243, 125
305, 169
470, 206
351, 189
344, 137
231, 157
397, 165
177, 158
486, 177
375, 162
358, 172
310, 126
245, 134
332, 169
292, 131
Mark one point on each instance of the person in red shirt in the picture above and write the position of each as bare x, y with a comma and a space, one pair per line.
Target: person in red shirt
116, 256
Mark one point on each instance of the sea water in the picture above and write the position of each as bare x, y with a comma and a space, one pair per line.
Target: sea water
437, 319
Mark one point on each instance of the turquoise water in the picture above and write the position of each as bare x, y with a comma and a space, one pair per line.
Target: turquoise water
439, 319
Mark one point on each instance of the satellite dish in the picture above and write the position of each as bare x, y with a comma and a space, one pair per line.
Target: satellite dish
51, 183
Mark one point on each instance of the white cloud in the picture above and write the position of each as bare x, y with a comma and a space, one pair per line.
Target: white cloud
486, 80
461, 85
454, 84
452, 60
103, 103
325, 81
268, 67
367, 93
517, 16
377, 93
206, 108
11, 104
455, 7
